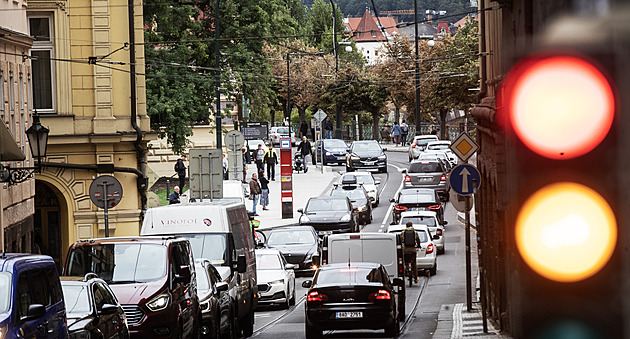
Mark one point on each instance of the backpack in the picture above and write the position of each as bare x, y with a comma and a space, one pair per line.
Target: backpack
404, 128
410, 238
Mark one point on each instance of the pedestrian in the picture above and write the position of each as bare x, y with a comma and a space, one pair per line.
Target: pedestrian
244, 150
259, 155
173, 198
410, 243
305, 149
225, 168
271, 159
396, 133
329, 128
404, 131
254, 192
385, 134
264, 187
303, 129
180, 169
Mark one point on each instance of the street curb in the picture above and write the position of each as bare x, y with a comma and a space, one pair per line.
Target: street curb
445, 322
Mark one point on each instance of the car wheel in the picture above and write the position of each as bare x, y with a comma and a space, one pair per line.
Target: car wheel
312, 332
433, 271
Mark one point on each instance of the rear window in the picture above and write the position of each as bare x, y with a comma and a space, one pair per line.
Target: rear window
349, 276
438, 147
429, 221
416, 198
424, 142
282, 130
5, 291
425, 167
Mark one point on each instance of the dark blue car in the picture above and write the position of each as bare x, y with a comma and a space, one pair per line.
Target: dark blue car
334, 151
31, 301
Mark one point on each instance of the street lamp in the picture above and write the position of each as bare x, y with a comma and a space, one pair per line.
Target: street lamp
38, 140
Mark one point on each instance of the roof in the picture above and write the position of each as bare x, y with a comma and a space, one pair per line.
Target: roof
424, 30
365, 27
416, 190
461, 22
112, 240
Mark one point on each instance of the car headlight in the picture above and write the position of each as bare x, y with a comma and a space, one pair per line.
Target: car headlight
308, 257
382, 157
345, 217
355, 158
277, 282
361, 208
327, 153
304, 218
81, 334
158, 303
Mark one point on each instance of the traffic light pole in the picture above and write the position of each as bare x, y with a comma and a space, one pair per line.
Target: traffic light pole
468, 265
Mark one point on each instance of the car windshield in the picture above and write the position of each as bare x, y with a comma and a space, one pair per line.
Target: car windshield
5, 291
425, 167
291, 237
203, 283
282, 130
351, 194
366, 146
211, 246
268, 262
416, 198
76, 299
349, 276
316, 205
335, 143
418, 219
423, 142
364, 179
120, 263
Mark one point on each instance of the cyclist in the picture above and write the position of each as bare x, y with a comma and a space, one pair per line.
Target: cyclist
411, 242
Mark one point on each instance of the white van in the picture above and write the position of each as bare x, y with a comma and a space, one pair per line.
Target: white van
382, 248
220, 232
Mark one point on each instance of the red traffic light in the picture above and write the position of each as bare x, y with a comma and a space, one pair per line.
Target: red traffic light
559, 106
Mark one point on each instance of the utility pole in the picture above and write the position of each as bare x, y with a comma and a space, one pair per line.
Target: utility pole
337, 108
417, 75
288, 114
217, 51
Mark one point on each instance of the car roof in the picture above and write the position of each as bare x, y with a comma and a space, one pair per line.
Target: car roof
357, 264
426, 136
295, 227
418, 213
365, 142
158, 240
20, 261
440, 142
327, 197
416, 190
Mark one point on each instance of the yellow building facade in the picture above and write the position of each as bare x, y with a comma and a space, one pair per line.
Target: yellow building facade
89, 95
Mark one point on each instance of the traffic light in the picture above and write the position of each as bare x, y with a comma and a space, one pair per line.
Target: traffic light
561, 113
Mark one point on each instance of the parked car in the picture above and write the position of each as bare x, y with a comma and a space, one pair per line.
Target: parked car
278, 132
428, 218
93, 310
252, 147
31, 301
413, 199
369, 183
426, 256
215, 304
276, 279
334, 151
357, 295
297, 244
329, 215
152, 277
366, 154
418, 144
358, 196
427, 174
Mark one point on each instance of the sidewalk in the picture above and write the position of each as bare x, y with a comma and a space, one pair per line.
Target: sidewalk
305, 185
454, 321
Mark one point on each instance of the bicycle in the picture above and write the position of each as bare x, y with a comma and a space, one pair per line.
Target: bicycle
409, 272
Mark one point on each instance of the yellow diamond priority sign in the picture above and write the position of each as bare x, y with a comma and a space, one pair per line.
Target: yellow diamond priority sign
464, 146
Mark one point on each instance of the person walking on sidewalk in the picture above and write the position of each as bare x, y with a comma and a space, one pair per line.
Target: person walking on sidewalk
304, 128
396, 133
180, 169
410, 242
329, 128
173, 198
305, 149
271, 159
404, 131
225, 168
264, 187
258, 157
254, 192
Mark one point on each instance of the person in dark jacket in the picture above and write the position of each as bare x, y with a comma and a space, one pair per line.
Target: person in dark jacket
264, 187
329, 128
254, 191
173, 198
305, 149
180, 169
304, 128
271, 159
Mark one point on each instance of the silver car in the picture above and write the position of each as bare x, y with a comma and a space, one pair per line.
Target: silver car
444, 146
418, 144
427, 174
428, 218
426, 258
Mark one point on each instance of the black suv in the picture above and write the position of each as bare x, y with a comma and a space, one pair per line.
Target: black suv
358, 197
414, 199
366, 154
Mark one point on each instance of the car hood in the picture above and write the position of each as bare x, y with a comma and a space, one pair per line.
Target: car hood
296, 249
368, 154
327, 215
335, 150
266, 276
135, 294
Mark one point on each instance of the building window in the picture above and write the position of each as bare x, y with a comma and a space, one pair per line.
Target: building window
22, 130
2, 96
41, 28
373, 34
12, 103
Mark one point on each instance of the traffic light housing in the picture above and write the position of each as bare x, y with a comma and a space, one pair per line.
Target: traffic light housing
561, 110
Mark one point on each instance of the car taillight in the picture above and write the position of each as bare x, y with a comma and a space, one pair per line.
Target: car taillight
315, 296
429, 249
380, 295
407, 178
434, 207
443, 177
439, 232
400, 208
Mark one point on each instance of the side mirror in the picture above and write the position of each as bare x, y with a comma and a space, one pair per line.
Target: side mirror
392, 200
289, 266
221, 286
241, 264
398, 282
307, 283
108, 309
445, 222
301, 210
404, 170
183, 276
35, 311
384, 149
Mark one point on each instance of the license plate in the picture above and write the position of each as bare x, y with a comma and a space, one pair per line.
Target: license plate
425, 179
346, 315
369, 163
341, 158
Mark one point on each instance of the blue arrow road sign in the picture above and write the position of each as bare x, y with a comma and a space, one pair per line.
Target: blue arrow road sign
464, 179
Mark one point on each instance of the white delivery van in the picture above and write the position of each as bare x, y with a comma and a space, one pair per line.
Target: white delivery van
382, 248
220, 232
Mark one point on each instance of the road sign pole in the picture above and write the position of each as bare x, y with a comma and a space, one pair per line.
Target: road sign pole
105, 208
468, 264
